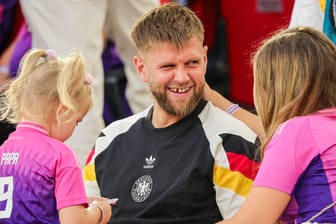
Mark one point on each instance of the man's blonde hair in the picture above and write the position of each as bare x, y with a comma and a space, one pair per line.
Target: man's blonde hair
170, 22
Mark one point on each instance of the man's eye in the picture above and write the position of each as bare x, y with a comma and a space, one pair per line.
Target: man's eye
167, 66
194, 62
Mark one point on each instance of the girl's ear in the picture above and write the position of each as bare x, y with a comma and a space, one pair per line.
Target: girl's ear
140, 67
60, 109
62, 113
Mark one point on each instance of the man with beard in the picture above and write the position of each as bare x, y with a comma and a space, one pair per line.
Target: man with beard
182, 160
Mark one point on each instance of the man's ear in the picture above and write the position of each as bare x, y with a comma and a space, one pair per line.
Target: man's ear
205, 58
140, 68
205, 53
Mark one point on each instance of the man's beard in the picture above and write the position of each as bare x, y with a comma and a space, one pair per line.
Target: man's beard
166, 105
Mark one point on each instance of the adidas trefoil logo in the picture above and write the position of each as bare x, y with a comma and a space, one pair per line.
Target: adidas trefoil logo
149, 162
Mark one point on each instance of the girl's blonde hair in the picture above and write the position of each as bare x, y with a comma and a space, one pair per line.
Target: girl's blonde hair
294, 75
43, 82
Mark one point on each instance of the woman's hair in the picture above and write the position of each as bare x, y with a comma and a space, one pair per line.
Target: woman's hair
294, 75
171, 22
44, 81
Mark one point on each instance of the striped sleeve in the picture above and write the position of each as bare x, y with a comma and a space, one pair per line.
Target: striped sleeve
233, 148
89, 176
234, 171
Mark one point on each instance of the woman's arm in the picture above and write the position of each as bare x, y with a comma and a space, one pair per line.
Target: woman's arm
263, 206
250, 119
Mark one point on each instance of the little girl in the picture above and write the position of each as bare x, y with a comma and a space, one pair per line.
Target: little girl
40, 178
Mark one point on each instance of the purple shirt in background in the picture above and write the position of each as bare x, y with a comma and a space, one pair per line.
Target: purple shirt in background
7, 20
21, 47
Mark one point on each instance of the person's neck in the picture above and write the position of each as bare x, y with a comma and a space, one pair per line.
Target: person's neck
161, 119
38, 122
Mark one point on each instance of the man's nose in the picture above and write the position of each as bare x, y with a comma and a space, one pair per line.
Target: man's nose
181, 75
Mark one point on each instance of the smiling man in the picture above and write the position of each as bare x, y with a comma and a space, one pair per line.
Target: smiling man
182, 160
